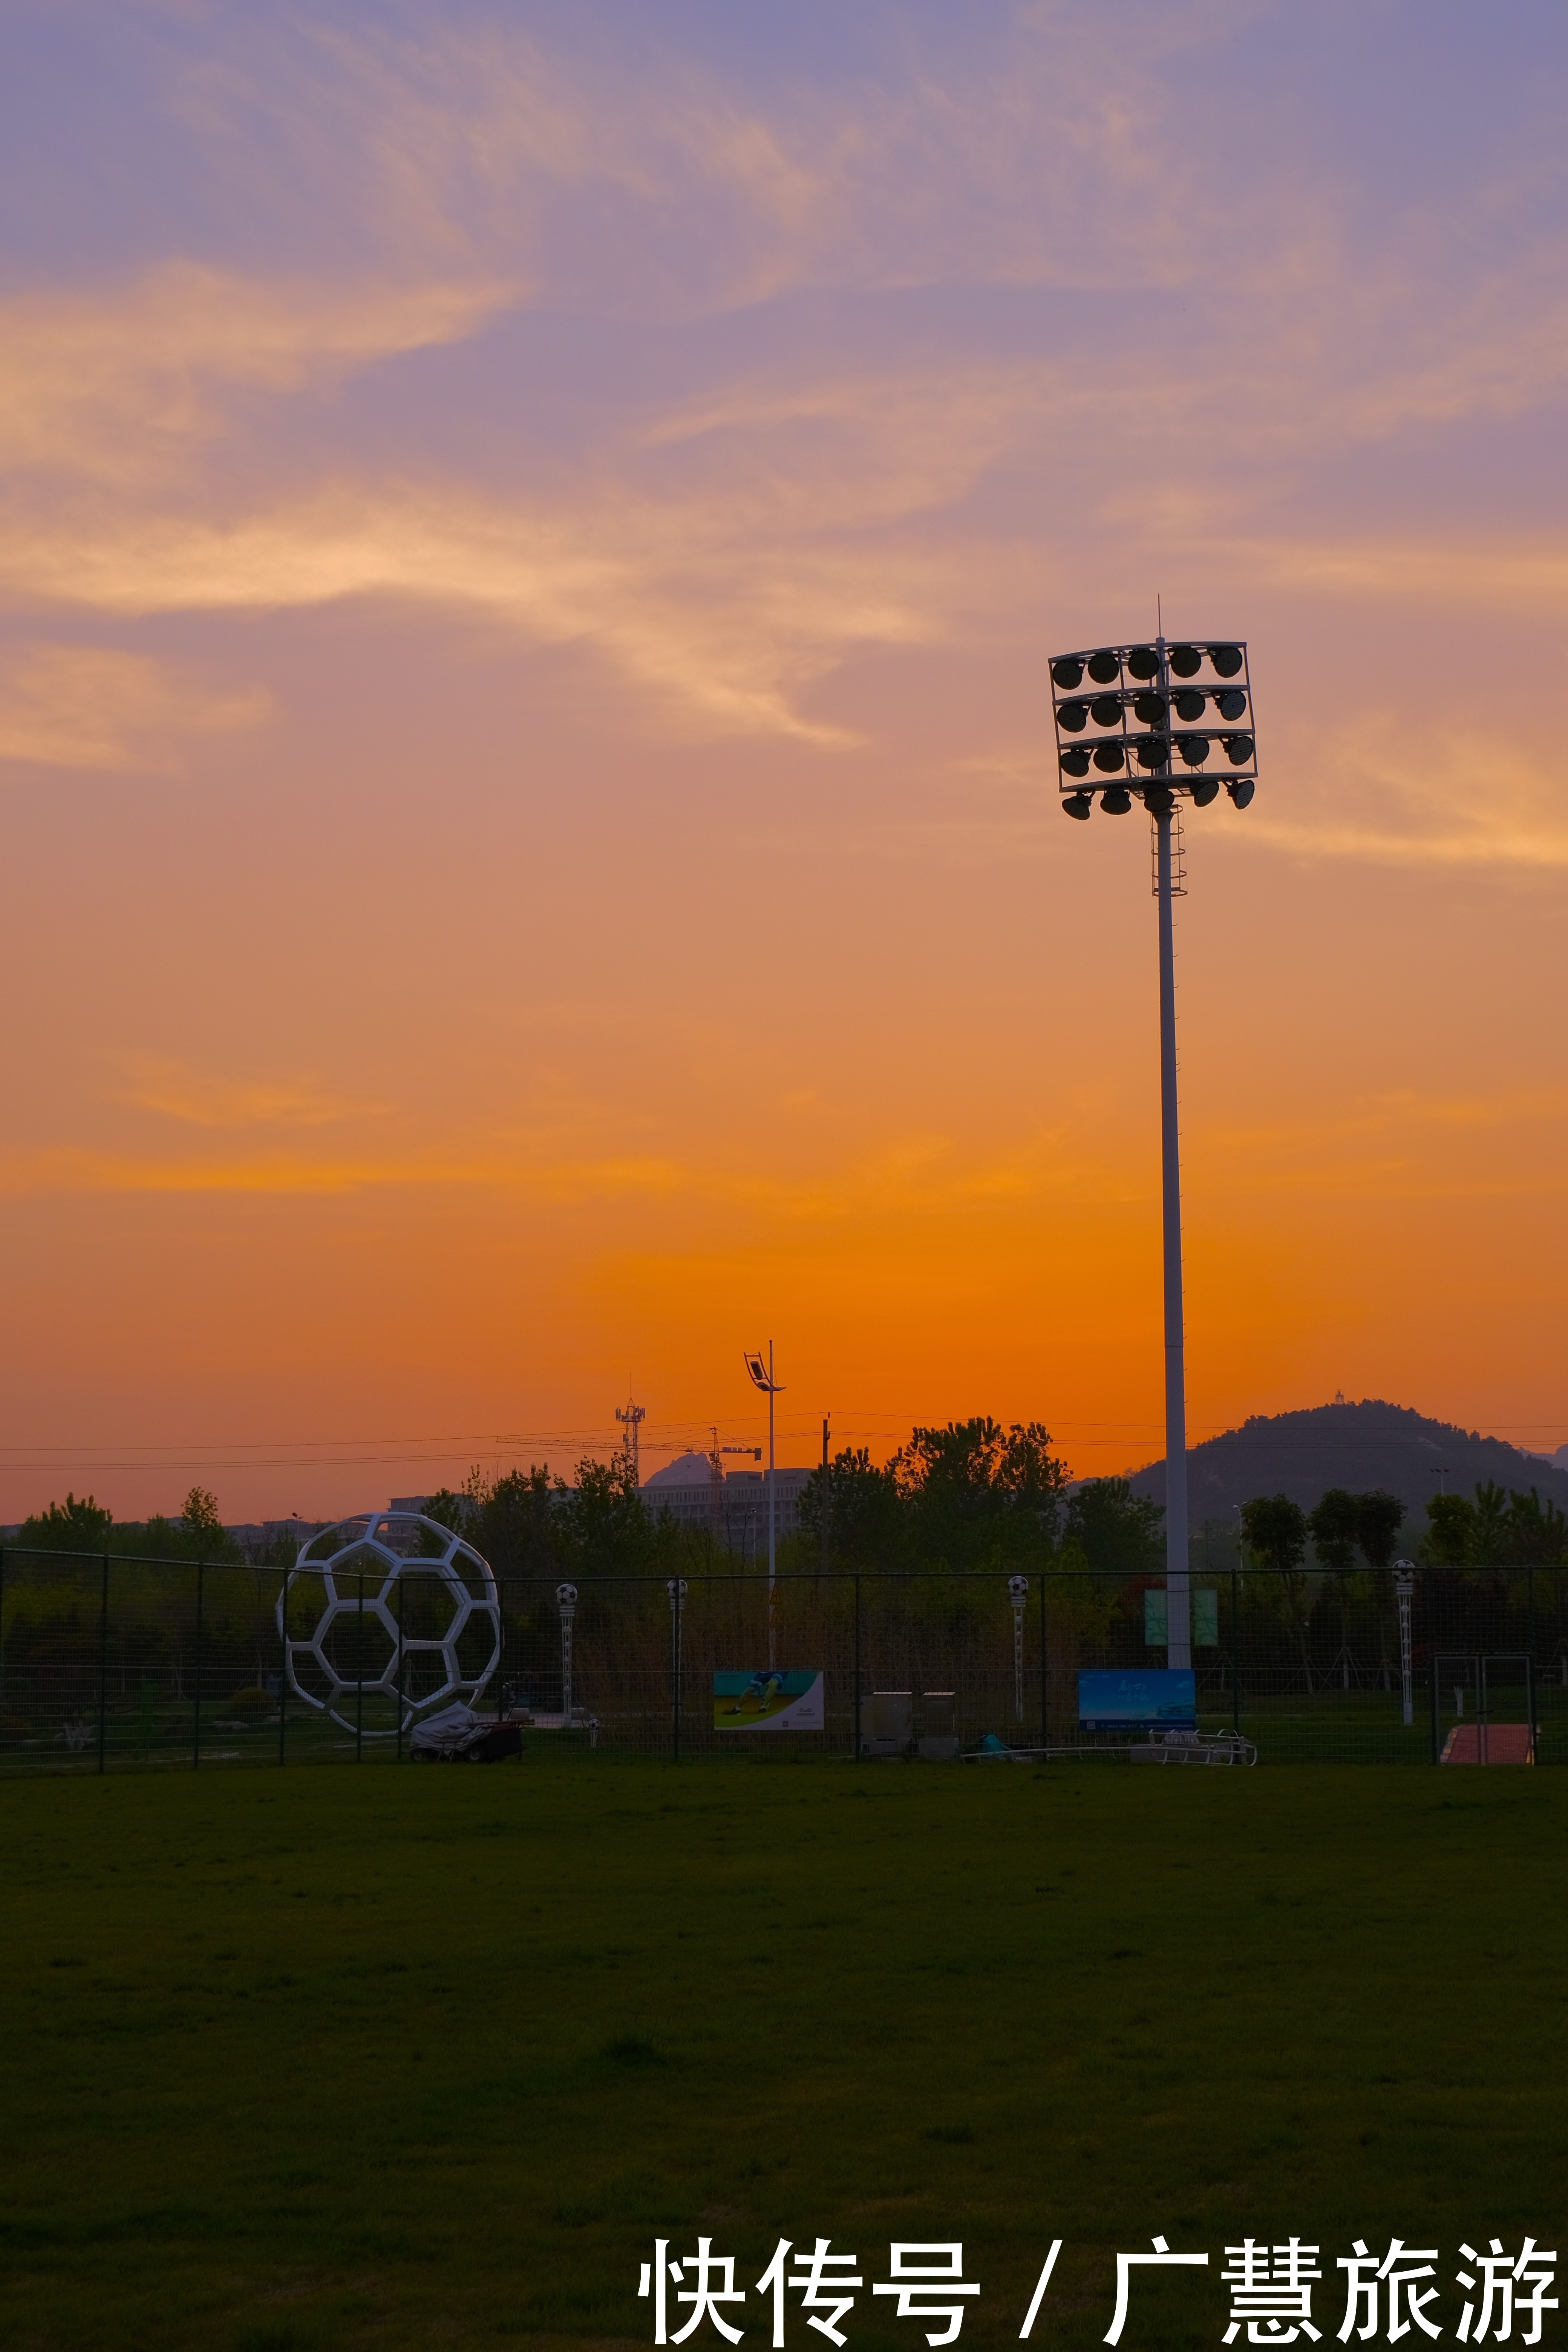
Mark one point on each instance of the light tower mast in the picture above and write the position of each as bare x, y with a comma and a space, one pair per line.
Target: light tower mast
630, 1418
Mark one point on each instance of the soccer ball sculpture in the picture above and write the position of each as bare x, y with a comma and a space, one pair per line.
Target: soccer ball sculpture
386, 1617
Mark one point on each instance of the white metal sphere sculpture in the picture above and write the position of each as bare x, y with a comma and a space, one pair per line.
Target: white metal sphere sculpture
388, 1616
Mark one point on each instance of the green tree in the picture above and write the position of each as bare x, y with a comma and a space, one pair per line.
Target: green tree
1274, 1529
520, 1527
1537, 1531
1491, 1525
863, 1508
450, 1510
952, 1473
1379, 1517
1119, 1533
76, 1525
975, 1492
1334, 1528
200, 1514
1451, 1531
607, 1526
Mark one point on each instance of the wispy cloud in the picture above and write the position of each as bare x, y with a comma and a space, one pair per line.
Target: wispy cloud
681, 603
198, 1100
94, 707
115, 382
1390, 790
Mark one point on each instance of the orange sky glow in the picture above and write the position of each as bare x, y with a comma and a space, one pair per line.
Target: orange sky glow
530, 544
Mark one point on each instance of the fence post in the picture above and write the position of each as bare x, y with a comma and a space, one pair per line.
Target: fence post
397, 1590
2, 1647
102, 1658
676, 1590
1045, 1674
1530, 1609
1433, 1706
500, 1648
196, 1679
855, 1710
1235, 1648
359, 1675
1530, 1700
283, 1664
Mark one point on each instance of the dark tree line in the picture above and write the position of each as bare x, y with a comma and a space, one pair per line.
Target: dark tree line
81, 1524
1500, 1529
972, 1495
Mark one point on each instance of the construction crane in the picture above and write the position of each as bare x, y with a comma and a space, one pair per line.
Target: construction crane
716, 1477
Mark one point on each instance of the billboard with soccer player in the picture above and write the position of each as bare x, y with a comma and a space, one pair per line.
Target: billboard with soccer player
771, 1699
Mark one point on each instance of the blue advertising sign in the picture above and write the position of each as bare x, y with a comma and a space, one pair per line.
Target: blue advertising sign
1138, 1698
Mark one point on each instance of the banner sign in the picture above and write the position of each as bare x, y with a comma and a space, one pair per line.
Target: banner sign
769, 1700
1143, 1698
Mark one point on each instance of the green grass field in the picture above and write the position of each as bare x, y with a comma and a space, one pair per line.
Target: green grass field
430, 2058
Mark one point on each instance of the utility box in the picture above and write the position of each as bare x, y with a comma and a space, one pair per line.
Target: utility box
888, 1723
939, 1725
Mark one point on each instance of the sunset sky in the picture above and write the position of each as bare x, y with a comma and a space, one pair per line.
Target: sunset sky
531, 539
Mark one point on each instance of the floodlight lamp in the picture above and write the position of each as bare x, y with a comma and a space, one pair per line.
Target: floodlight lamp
1108, 757
1073, 716
1195, 750
1206, 788
1077, 805
1151, 710
1241, 791
1238, 750
1104, 667
1074, 762
1068, 672
1185, 660
1143, 662
1159, 800
1226, 659
1117, 802
1231, 703
1106, 710
1189, 704
1153, 752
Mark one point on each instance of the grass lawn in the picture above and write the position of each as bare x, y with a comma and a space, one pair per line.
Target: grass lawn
389, 2058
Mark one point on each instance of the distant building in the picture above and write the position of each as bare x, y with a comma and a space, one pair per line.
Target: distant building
735, 1507
257, 1536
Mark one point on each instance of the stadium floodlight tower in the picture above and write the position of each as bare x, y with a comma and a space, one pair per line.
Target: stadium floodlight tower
1143, 722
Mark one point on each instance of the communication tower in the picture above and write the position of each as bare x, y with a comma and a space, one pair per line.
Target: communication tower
631, 1417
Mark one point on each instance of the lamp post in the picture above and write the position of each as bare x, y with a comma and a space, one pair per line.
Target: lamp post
763, 1378
1151, 705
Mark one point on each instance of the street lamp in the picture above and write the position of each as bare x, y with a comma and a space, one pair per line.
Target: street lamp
763, 1378
1157, 714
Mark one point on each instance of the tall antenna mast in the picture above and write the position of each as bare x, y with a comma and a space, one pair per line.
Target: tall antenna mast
633, 1415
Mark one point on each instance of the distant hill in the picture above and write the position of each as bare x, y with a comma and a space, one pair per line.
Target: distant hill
1354, 1445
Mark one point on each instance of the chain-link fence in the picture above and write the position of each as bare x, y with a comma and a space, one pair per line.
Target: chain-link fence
107, 1662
